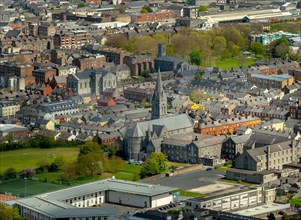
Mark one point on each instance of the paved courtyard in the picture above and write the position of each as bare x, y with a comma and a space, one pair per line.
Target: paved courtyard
192, 180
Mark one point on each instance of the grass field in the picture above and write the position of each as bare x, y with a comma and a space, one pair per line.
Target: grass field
22, 187
227, 64
28, 158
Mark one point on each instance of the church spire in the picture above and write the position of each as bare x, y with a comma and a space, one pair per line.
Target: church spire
159, 100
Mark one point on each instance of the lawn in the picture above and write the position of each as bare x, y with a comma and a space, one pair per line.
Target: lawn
28, 158
227, 64
22, 187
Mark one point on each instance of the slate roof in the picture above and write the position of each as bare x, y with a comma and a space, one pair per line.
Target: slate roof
273, 148
240, 139
171, 123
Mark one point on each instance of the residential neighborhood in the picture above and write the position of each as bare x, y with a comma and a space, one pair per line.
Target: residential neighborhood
138, 110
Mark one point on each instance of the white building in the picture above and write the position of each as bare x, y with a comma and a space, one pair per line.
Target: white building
79, 202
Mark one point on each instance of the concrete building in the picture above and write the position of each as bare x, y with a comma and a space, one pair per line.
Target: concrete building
234, 201
9, 108
77, 202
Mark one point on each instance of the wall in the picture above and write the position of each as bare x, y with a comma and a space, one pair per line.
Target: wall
162, 200
128, 199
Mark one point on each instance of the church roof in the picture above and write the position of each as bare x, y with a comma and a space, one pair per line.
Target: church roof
171, 123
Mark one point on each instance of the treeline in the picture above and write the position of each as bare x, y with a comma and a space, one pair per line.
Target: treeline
200, 47
38, 141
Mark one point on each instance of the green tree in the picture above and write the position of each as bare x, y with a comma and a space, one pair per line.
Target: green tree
145, 72
90, 147
257, 48
90, 165
8, 213
197, 96
146, 9
143, 11
198, 75
279, 48
117, 40
195, 57
117, 163
70, 171
203, 8
153, 165
81, 5
57, 164
10, 173
271, 216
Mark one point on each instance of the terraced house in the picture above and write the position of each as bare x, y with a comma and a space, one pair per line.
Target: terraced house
225, 126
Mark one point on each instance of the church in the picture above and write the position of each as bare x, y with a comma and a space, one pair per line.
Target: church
143, 138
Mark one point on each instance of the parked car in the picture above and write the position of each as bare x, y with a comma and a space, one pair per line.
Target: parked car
209, 168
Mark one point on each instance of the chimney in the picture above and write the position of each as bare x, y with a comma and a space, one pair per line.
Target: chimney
268, 157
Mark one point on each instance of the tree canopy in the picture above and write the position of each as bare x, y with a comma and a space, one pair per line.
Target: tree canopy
195, 58
154, 164
203, 8
81, 5
257, 48
9, 213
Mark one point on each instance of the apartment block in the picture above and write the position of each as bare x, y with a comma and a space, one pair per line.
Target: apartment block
71, 39
9, 108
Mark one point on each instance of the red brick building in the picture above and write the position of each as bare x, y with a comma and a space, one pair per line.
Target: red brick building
153, 17
139, 62
43, 75
95, 61
225, 126
72, 39
106, 102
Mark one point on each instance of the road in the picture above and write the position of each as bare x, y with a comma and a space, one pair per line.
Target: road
190, 180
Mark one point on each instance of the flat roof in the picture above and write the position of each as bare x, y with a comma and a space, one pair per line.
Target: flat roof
108, 185
273, 77
267, 208
57, 209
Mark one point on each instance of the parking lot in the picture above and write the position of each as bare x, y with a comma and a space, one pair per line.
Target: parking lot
190, 180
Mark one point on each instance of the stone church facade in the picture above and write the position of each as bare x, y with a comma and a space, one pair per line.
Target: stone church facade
143, 138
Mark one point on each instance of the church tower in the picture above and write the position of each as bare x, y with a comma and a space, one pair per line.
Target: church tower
159, 100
